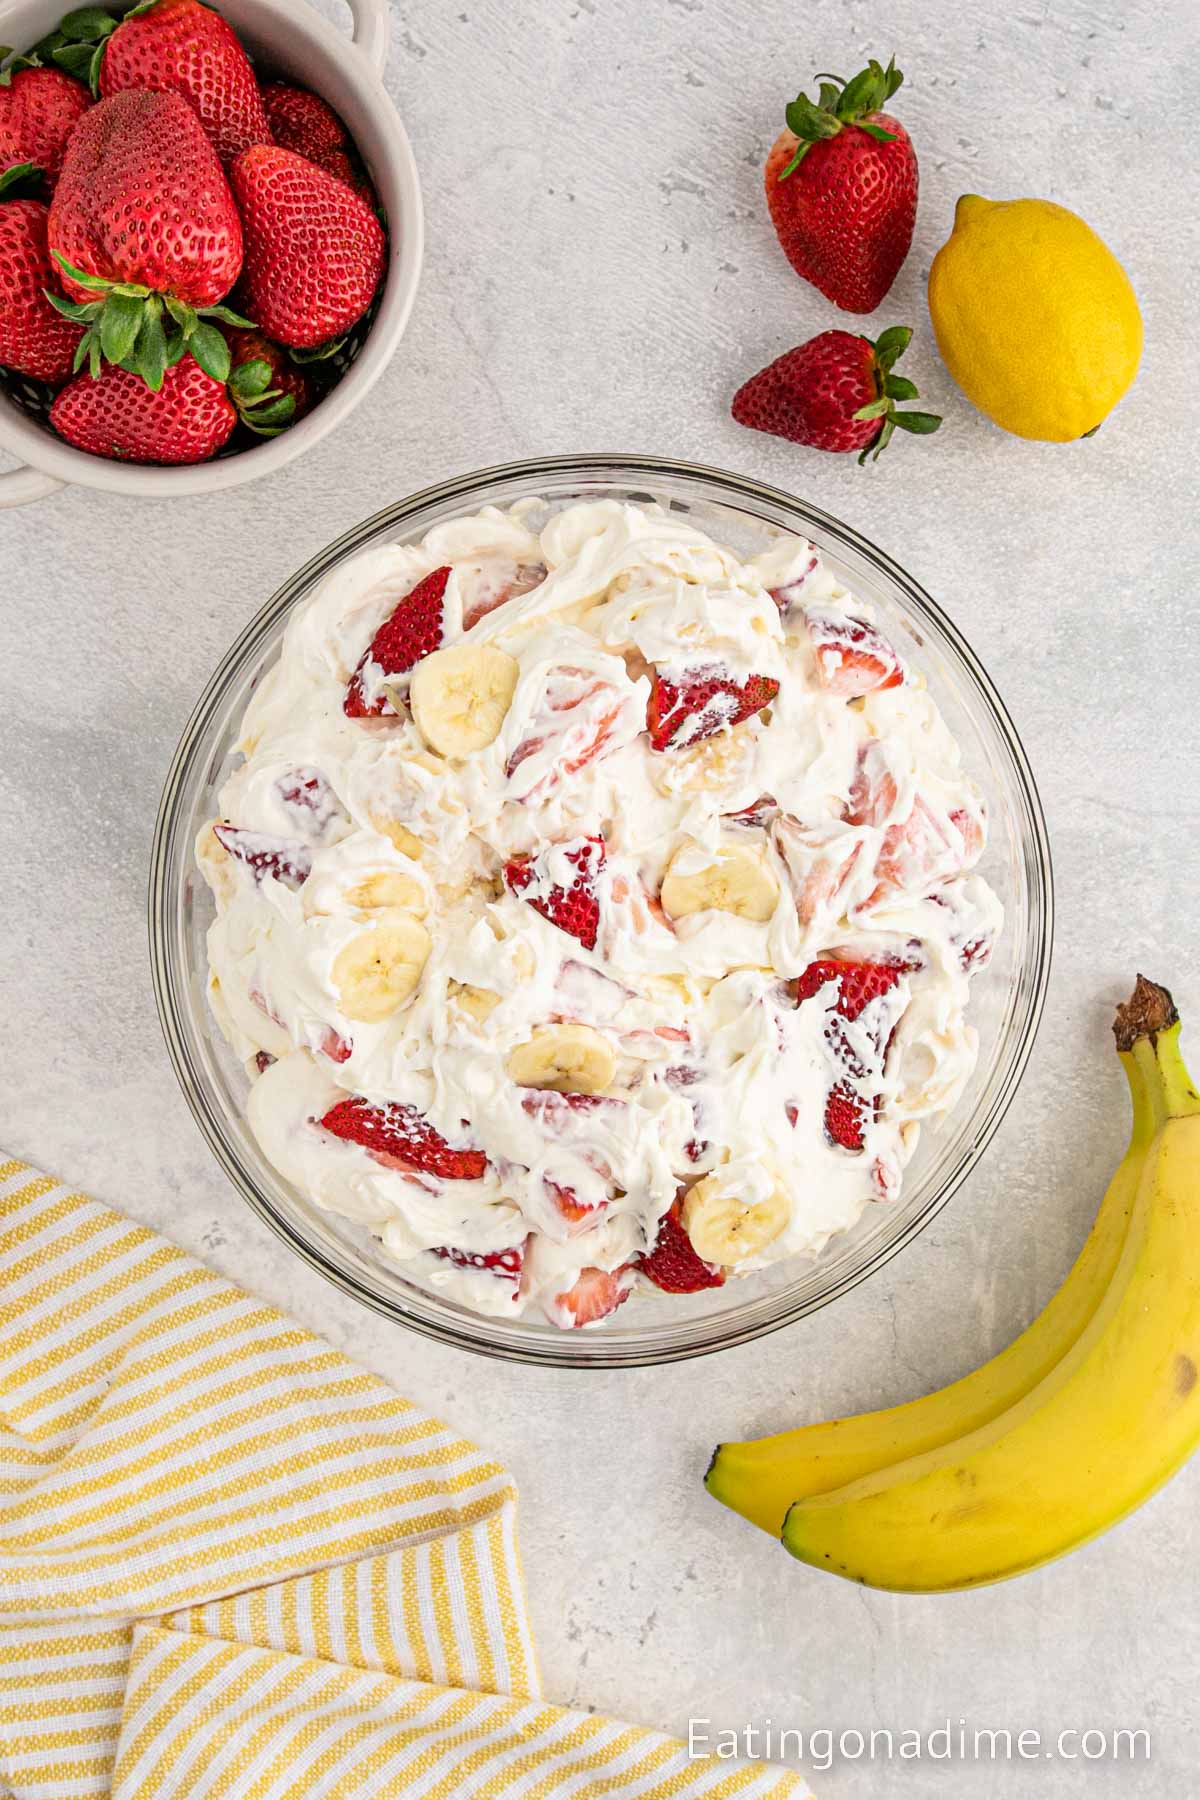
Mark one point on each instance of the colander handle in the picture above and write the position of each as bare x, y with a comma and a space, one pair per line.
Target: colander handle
371, 30
19, 486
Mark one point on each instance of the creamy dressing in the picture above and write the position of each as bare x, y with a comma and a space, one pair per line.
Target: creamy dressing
857, 807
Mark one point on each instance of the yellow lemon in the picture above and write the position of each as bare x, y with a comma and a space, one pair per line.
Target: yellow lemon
1034, 317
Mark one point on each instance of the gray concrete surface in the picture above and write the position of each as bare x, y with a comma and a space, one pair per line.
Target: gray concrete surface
601, 274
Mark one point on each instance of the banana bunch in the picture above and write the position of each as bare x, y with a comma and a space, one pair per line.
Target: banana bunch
1070, 1428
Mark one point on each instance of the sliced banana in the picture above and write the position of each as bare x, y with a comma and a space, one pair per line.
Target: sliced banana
724, 760
380, 967
478, 1003
389, 888
459, 697
216, 865
405, 841
572, 1059
738, 879
725, 1226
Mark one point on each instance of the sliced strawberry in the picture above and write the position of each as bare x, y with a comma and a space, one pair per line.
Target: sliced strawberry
489, 595
857, 1060
970, 829
306, 792
673, 1265
400, 1132
853, 658
595, 1294
788, 595
284, 858
411, 631
858, 983
573, 723
568, 1203
685, 1075
263, 1060
819, 863
915, 854
505, 1264
873, 791
844, 1116
334, 1046
574, 909
704, 701
551, 1108
756, 816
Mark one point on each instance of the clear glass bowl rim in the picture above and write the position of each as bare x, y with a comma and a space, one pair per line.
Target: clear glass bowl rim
565, 1350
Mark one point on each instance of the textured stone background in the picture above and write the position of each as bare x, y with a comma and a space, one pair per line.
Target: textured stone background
600, 275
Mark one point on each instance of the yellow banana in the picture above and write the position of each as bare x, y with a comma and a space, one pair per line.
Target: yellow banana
1098, 1435
761, 1478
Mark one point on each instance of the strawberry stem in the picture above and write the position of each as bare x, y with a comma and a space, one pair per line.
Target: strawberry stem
840, 103
888, 347
143, 331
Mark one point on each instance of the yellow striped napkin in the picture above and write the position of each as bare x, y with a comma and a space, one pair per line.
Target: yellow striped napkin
232, 1563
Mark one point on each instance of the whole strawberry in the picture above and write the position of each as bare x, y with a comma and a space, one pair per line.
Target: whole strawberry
303, 122
34, 340
181, 47
116, 415
836, 392
39, 109
269, 391
841, 185
314, 249
145, 230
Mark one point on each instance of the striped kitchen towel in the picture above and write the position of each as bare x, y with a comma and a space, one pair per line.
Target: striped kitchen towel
232, 1563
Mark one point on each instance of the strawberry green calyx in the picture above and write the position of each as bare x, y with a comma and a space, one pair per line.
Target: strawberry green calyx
265, 409
77, 44
141, 331
888, 347
840, 103
21, 181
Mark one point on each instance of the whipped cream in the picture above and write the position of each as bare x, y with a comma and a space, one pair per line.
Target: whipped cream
372, 940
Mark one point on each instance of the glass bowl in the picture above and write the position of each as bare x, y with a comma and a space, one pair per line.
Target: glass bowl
1007, 997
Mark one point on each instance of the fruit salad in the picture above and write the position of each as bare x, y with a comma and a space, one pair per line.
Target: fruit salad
596, 911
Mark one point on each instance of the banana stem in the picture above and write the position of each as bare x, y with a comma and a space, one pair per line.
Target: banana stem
1147, 1028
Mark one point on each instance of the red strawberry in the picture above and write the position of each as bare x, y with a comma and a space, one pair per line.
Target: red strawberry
844, 1116
34, 340
574, 909
705, 700
411, 630
571, 725
858, 984
305, 791
116, 415
39, 109
673, 1265
835, 392
303, 122
568, 1203
841, 185
314, 249
142, 202
181, 47
284, 858
852, 657
333, 1045
595, 1294
505, 1264
399, 1132
270, 392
